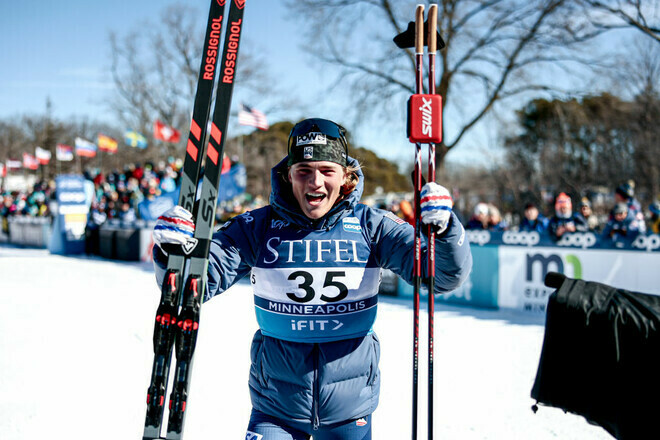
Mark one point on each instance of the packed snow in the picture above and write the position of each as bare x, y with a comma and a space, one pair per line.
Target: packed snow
76, 354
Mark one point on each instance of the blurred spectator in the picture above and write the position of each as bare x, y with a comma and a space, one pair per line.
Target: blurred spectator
623, 227
495, 221
533, 220
564, 221
625, 193
95, 219
127, 213
480, 218
654, 219
588, 215
407, 212
33, 203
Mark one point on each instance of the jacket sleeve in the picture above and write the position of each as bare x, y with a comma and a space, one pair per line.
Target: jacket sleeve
394, 249
232, 254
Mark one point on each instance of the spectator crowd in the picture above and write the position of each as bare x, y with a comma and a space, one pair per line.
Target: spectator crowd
624, 222
118, 194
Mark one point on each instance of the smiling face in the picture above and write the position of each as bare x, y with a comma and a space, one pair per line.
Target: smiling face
316, 186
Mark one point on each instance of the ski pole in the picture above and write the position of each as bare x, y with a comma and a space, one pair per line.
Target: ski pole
417, 272
424, 127
430, 242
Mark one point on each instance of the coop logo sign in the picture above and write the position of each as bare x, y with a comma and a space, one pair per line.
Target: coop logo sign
521, 238
647, 242
578, 239
478, 237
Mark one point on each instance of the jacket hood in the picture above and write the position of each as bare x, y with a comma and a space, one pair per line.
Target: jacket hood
286, 206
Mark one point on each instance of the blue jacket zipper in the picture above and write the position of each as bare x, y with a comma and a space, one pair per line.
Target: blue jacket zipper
315, 390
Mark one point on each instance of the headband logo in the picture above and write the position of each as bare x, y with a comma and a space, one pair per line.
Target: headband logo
313, 138
308, 152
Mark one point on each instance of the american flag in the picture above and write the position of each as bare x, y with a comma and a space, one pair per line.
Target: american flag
253, 117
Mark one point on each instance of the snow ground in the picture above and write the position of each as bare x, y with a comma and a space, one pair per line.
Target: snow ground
76, 353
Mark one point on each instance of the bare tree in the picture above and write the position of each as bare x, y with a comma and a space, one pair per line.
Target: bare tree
154, 69
615, 14
496, 50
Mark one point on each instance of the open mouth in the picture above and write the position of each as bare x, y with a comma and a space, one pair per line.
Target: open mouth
314, 198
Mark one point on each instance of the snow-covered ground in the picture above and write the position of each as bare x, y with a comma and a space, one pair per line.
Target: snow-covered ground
76, 353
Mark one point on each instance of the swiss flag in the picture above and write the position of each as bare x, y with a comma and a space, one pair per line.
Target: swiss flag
166, 133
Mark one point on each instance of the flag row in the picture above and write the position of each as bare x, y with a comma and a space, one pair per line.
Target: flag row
85, 148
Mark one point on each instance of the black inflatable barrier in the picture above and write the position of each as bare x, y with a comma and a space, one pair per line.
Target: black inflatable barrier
601, 356
107, 243
127, 244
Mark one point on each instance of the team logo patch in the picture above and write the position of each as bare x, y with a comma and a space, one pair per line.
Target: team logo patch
308, 152
396, 219
253, 436
351, 224
313, 138
361, 422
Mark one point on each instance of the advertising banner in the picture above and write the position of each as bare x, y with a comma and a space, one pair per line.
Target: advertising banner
523, 269
73, 206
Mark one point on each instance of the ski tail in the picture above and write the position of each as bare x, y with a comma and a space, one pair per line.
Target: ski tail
168, 309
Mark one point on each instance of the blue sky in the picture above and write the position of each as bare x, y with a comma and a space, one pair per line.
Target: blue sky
60, 50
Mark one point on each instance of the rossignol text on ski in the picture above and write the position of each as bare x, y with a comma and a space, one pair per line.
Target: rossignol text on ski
177, 316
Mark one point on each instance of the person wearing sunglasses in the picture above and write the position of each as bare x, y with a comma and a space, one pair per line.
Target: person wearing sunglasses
314, 256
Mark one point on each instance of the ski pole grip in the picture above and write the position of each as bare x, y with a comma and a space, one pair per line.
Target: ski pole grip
433, 28
419, 29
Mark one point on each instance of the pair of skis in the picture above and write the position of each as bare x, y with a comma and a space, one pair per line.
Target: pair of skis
177, 316
424, 126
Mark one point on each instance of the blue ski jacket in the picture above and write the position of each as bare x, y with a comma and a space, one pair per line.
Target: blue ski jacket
315, 357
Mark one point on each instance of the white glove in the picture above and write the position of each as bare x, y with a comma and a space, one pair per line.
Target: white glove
436, 204
175, 227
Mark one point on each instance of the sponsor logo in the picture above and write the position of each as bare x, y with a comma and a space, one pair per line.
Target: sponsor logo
554, 262
278, 224
578, 239
73, 197
650, 242
308, 152
313, 138
212, 51
316, 324
523, 238
232, 52
535, 293
478, 237
361, 422
427, 117
190, 245
351, 224
308, 251
253, 436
